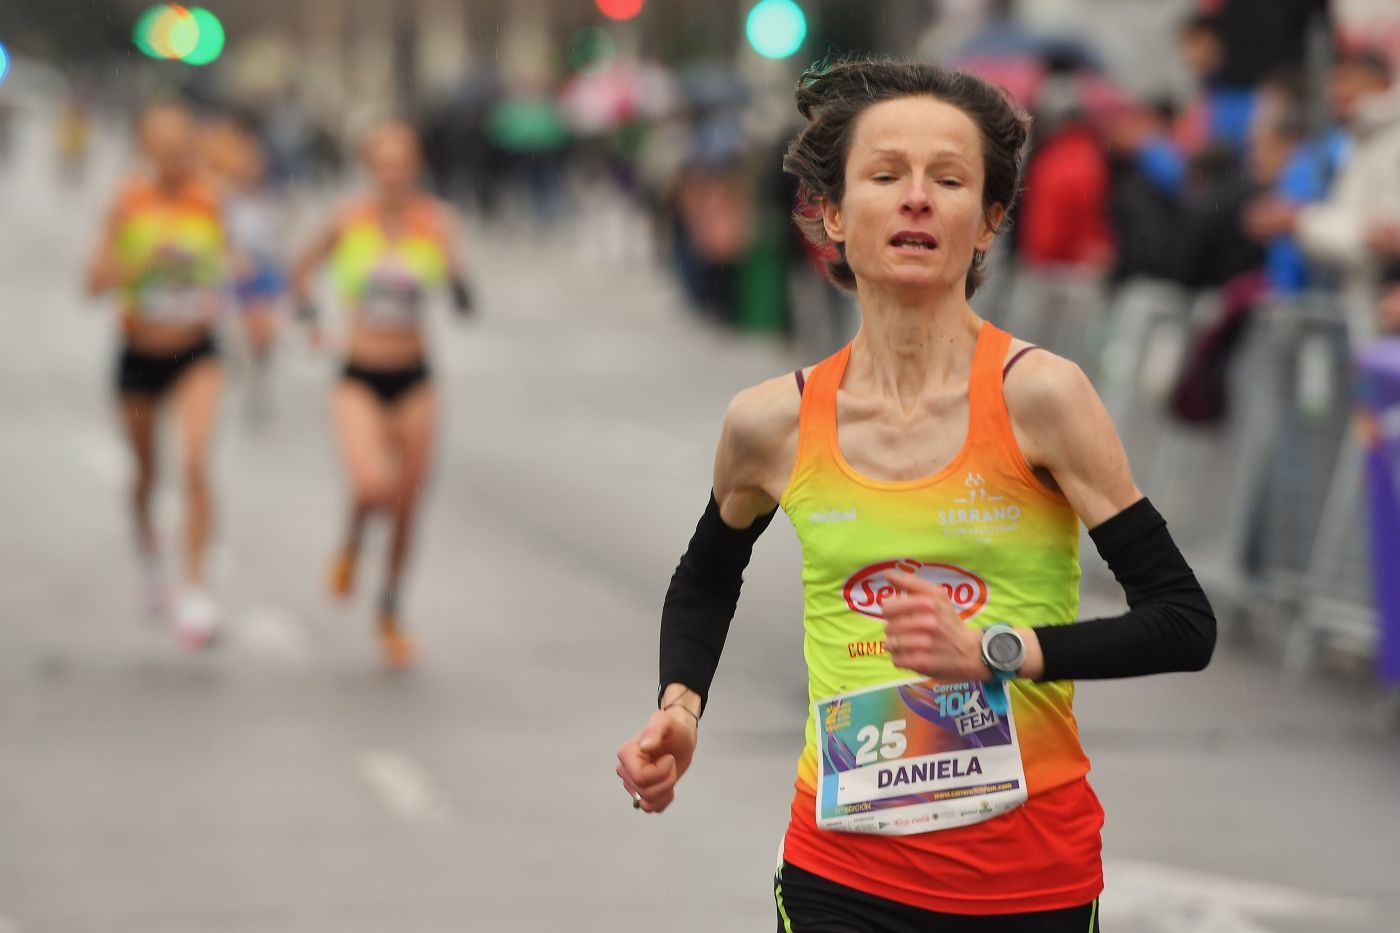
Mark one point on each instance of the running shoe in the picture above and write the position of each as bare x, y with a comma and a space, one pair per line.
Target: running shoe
341, 578
196, 620
395, 646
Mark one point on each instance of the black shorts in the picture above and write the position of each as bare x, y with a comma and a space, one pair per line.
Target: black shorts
153, 374
809, 903
388, 385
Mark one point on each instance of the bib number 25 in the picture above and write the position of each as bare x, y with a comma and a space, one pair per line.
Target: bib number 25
876, 742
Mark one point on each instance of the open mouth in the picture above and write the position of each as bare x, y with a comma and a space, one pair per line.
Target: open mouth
911, 239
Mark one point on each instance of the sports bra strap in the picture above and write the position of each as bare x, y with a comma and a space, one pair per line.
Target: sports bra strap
1015, 359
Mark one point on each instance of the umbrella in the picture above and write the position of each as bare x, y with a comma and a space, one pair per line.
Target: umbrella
1012, 42
1020, 61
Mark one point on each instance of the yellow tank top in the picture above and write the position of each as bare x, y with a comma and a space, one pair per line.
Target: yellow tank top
385, 280
1003, 547
172, 244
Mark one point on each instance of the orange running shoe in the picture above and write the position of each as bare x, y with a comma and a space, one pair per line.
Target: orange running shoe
395, 646
341, 578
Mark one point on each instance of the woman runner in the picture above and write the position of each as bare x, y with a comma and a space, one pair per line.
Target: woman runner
256, 217
936, 472
388, 251
163, 251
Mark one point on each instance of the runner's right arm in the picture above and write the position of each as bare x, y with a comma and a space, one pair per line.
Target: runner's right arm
104, 271
755, 455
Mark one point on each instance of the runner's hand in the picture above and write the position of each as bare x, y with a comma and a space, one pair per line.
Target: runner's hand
924, 634
653, 761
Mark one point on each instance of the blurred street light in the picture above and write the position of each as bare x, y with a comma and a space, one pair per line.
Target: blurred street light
210, 44
776, 28
171, 31
620, 9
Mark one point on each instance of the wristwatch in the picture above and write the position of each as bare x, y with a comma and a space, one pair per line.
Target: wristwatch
1003, 651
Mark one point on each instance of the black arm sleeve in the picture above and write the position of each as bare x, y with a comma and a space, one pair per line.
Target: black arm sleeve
1169, 625
461, 296
701, 600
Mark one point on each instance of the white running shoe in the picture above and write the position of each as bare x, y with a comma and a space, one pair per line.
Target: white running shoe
196, 620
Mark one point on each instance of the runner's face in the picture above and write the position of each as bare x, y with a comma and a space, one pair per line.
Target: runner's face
912, 213
170, 141
392, 158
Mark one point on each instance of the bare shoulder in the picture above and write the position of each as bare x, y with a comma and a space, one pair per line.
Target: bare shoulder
341, 215
1063, 429
761, 415
757, 448
1043, 386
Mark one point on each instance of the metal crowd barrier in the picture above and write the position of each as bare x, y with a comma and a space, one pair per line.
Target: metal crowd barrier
1269, 503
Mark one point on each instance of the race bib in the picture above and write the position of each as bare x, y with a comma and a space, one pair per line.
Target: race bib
393, 299
172, 293
916, 757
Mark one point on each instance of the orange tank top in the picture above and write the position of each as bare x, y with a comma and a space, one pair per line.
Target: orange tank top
1005, 549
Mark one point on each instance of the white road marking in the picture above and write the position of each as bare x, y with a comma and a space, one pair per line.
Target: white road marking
403, 786
1175, 900
272, 632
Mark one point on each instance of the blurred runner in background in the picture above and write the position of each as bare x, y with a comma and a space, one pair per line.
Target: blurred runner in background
388, 251
163, 251
74, 135
257, 219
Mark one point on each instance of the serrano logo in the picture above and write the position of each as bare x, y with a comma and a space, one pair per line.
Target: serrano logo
868, 588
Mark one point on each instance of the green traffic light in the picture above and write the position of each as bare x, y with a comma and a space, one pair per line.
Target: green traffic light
170, 31
776, 28
141, 32
210, 44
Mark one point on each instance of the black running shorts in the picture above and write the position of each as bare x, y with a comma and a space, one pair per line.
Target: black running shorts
809, 903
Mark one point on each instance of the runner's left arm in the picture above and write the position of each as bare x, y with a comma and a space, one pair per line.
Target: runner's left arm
104, 270
1065, 431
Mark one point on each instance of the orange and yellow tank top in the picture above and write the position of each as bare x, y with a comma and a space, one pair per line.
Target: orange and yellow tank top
171, 246
385, 280
1005, 549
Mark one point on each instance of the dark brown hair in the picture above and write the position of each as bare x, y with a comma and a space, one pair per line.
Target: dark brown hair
832, 97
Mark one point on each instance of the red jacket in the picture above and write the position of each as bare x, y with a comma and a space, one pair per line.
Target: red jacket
1064, 211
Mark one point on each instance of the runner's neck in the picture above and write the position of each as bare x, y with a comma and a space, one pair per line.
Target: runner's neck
903, 352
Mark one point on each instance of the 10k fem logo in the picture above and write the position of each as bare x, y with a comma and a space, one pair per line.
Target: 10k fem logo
868, 588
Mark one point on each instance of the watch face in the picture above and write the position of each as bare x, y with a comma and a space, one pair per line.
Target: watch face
1004, 649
